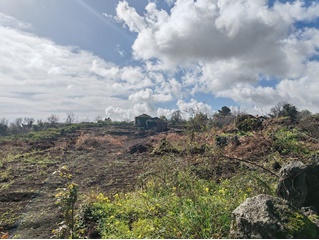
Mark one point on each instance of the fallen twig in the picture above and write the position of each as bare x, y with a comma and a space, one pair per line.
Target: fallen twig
249, 162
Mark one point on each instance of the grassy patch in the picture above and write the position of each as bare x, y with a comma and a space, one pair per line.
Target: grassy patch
172, 203
287, 141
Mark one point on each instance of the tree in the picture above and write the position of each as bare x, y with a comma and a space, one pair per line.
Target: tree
163, 118
290, 111
198, 122
71, 118
16, 126
53, 120
27, 123
225, 111
303, 114
176, 117
3, 126
98, 119
284, 109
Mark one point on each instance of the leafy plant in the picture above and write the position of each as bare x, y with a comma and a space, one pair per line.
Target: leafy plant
66, 199
286, 142
248, 123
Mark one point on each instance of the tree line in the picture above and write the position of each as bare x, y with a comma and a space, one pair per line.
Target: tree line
197, 121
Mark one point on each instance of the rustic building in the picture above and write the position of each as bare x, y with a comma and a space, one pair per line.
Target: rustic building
140, 121
147, 122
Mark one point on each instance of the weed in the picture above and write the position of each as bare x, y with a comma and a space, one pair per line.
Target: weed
66, 199
286, 142
171, 203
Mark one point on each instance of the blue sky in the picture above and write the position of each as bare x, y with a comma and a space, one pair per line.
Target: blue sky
119, 59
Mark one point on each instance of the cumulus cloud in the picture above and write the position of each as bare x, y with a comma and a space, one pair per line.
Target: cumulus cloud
192, 107
225, 48
231, 43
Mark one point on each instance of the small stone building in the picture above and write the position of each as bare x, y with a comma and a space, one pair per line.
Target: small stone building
140, 121
147, 122
156, 124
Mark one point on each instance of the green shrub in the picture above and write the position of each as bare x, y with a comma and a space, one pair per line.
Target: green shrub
287, 142
247, 123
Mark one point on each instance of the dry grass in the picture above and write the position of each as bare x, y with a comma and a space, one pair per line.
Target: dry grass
250, 146
91, 142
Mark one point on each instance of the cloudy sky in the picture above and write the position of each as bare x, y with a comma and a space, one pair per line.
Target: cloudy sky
119, 59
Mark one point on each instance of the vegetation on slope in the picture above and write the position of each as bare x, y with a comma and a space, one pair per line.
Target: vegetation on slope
185, 186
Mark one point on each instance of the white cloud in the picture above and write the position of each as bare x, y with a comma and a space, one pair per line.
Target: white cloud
297, 11
228, 45
188, 109
42, 78
130, 16
8, 21
220, 47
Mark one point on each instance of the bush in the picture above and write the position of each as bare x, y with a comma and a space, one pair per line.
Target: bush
248, 123
286, 142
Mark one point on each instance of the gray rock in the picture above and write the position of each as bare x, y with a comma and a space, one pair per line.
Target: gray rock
292, 184
265, 216
312, 181
299, 184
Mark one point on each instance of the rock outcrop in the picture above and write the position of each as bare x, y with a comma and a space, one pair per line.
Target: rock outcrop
292, 184
299, 184
265, 216
293, 214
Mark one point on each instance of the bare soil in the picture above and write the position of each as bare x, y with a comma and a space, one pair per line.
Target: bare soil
98, 159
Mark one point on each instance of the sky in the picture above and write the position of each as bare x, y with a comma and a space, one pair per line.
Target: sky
119, 59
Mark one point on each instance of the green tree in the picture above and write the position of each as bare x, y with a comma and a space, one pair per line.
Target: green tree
3, 126
284, 109
290, 111
303, 114
225, 111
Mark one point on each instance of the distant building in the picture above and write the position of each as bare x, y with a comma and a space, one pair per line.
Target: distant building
148, 122
140, 121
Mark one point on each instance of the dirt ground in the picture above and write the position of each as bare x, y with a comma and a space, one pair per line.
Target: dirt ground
97, 158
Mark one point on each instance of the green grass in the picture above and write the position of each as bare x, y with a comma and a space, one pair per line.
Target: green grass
172, 203
287, 141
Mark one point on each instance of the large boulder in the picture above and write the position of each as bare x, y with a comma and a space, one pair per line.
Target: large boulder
292, 184
265, 216
312, 181
299, 184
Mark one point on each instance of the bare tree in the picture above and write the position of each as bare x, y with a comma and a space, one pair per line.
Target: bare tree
27, 123
176, 117
53, 120
98, 118
71, 118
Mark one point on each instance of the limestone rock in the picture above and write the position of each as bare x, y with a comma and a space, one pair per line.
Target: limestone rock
265, 216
